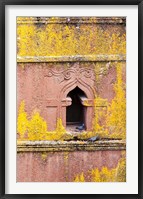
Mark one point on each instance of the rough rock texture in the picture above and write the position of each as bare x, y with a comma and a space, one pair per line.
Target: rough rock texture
45, 86
56, 55
62, 166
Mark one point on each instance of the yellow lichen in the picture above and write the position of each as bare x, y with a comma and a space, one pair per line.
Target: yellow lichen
66, 156
58, 134
117, 174
86, 134
86, 103
105, 175
116, 114
79, 178
60, 128
121, 171
36, 127
44, 156
55, 39
66, 153
22, 121
99, 114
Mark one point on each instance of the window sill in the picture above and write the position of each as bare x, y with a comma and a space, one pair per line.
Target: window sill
56, 146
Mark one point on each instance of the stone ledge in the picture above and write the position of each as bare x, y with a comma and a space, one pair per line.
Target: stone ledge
55, 146
72, 58
71, 20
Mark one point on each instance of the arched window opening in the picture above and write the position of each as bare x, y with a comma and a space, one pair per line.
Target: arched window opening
75, 113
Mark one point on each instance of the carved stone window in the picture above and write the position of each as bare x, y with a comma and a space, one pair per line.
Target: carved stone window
75, 113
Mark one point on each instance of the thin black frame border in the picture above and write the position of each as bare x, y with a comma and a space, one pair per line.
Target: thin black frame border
3, 3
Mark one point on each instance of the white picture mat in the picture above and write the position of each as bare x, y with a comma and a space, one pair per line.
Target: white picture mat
129, 187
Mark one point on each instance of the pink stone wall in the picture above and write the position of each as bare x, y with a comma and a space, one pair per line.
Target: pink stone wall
62, 166
44, 87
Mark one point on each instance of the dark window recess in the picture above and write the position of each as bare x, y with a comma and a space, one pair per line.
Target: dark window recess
75, 112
